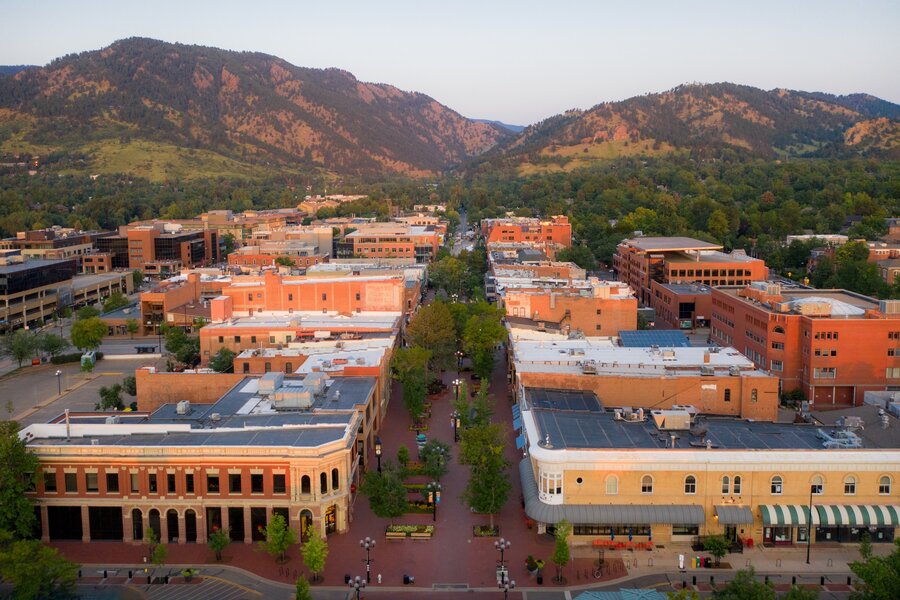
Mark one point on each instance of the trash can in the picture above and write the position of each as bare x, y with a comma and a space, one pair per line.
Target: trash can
346, 578
406, 580
540, 579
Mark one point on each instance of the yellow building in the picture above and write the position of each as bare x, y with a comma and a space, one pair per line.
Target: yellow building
624, 477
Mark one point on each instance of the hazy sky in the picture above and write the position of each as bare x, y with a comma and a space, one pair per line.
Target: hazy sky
515, 61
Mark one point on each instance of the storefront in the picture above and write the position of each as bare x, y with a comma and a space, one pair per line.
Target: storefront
735, 519
784, 524
850, 523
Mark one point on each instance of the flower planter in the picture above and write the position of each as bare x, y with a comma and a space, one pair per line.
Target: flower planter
485, 531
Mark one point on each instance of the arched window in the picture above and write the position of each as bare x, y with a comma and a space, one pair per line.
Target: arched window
647, 484
612, 485
777, 485
690, 485
305, 485
323, 483
726, 484
849, 485
778, 329
884, 485
817, 485
335, 480
737, 485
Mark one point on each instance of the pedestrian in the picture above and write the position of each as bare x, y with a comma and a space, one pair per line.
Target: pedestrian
379, 578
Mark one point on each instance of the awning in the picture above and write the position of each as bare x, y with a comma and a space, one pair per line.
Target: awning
515, 411
604, 514
520, 441
517, 422
731, 514
859, 514
784, 514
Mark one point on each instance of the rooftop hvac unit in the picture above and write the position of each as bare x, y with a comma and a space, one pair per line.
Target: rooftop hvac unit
707, 370
734, 371
889, 307
215, 417
113, 420
183, 407
589, 367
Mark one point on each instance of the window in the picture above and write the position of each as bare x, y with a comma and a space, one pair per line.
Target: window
647, 484
135, 483
290, 297
753, 395
212, 484
246, 367
727, 394
817, 486
49, 481
612, 485
685, 530
892, 373
335, 479
777, 485
279, 485
323, 483
71, 482
324, 297
252, 339
777, 346
271, 339
737, 485
551, 483
357, 296
777, 365
170, 483
598, 311
189, 483
152, 483
234, 483
884, 485
237, 339
892, 351
598, 326
726, 484
221, 339
112, 483
849, 485
267, 367
690, 485
305, 485
256, 483
288, 367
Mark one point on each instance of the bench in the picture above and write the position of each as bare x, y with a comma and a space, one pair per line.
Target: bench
145, 349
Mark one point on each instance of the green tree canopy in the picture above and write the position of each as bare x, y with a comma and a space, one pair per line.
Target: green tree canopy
387, 495
111, 397
315, 551
561, 552
17, 476
279, 537
432, 327
410, 367
36, 571
435, 455
88, 334
745, 586
115, 301
482, 450
86, 312
52, 343
581, 255
219, 539
223, 361
879, 574
132, 326
19, 345
482, 334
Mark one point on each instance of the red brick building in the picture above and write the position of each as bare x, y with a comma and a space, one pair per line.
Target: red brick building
554, 233
681, 305
834, 345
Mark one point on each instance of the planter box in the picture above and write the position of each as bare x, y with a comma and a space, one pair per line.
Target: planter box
395, 534
420, 535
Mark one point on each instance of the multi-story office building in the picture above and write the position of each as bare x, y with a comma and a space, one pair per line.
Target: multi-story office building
626, 478
551, 235
56, 243
834, 345
390, 240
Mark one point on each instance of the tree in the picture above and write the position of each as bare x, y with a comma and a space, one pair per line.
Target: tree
115, 301
137, 277
480, 337
387, 495
223, 361
482, 450
17, 476
52, 344
432, 327
218, 541
716, 545
129, 385
111, 398
155, 550
879, 574
88, 334
435, 455
132, 326
284, 261
19, 345
228, 242
186, 348
580, 255
315, 551
302, 589
36, 571
561, 553
717, 224
279, 537
448, 274
745, 587
86, 312
411, 369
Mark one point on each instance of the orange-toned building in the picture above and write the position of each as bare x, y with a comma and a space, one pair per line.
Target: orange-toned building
682, 260
391, 240
681, 305
834, 345
247, 258
598, 309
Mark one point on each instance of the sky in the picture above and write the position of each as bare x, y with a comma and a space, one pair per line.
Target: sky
514, 61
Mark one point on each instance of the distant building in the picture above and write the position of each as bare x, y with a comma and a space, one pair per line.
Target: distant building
390, 240
681, 305
549, 235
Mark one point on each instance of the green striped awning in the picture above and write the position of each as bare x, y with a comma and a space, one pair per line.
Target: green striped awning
859, 514
784, 514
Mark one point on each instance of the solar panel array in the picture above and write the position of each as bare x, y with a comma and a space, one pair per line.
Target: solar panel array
664, 338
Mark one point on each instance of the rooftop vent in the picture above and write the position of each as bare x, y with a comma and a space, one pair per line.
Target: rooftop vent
183, 407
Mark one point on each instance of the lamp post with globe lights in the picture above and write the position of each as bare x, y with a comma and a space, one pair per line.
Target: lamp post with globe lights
368, 544
358, 583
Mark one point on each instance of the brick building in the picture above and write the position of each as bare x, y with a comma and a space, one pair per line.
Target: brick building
554, 234
681, 305
390, 240
834, 345
681, 260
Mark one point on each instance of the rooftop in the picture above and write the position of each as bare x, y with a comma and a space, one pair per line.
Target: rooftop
841, 303
670, 244
662, 338
91, 279
36, 263
686, 288
313, 320
577, 420
711, 256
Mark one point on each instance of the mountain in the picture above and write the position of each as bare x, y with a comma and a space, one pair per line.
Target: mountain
707, 120
149, 98
502, 125
12, 69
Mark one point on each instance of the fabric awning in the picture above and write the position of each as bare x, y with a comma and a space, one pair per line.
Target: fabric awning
517, 422
604, 514
515, 410
731, 514
784, 514
859, 514
520, 441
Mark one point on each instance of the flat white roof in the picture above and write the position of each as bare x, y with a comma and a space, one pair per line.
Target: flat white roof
313, 320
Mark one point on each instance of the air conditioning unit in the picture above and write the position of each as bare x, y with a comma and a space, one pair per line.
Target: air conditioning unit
707, 370
183, 407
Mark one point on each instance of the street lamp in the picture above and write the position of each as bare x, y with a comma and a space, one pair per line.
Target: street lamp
459, 357
809, 525
368, 544
502, 545
358, 583
58, 383
506, 586
434, 496
378, 451
454, 420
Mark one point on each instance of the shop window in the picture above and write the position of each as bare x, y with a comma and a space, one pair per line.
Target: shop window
690, 485
647, 484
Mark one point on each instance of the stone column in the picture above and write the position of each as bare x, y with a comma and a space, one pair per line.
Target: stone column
85, 524
45, 524
163, 526
182, 532
202, 535
127, 526
248, 527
